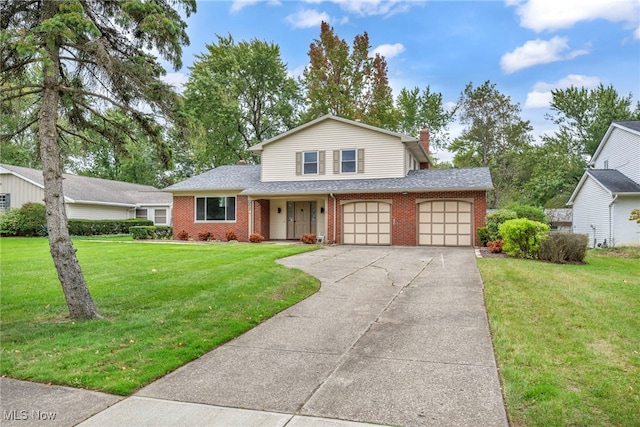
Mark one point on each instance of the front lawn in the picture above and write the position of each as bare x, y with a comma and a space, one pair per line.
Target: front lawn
567, 338
164, 305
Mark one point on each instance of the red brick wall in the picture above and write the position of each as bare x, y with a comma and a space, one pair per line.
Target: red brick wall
404, 228
261, 211
184, 219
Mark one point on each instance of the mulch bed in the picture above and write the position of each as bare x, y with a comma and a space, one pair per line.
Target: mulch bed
486, 253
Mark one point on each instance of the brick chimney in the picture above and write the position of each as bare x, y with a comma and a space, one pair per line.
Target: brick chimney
424, 141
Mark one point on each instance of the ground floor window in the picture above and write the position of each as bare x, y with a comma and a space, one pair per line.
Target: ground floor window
215, 208
5, 201
141, 213
160, 216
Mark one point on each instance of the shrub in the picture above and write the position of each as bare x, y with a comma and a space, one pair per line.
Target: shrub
256, 238
231, 236
561, 247
32, 220
496, 219
151, 232
522, 237
183, 235
9, 222
96, 227
533, 213
309, 238
483, 235
495, 246
205, 236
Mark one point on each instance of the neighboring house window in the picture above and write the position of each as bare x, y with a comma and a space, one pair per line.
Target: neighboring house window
5, 201
215, 208
141, 213
606, 164
160, 216
310, 163
348, 161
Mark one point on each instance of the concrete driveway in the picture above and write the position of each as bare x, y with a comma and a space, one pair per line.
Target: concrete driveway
395, 336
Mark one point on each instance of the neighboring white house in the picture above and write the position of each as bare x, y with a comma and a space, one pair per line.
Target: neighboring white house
605, 196
86, 197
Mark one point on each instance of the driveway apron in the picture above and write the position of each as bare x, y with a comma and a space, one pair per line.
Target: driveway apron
394, 336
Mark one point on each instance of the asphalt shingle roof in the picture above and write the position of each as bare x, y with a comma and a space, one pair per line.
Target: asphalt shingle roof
633, 125
247, 179
614, 180
88, 189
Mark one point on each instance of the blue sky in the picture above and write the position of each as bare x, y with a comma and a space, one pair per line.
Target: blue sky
525, 47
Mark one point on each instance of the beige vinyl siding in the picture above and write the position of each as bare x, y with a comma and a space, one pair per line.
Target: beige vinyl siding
87, 211
621, 152
383, 154
278, 221
21, 191
591, 206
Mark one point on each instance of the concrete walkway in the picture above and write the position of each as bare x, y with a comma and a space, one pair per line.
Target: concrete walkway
395, 336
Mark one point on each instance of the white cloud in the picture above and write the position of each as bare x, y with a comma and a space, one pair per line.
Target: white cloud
373, 7
540, 96
297, 72
307, 18
535, 52
636, 33
238, 5
177, 80
541, 15
389, 50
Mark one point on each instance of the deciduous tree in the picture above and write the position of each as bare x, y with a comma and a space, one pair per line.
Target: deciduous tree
494, 136
88, 55
241, 94
345, 82
417, 110
584, 115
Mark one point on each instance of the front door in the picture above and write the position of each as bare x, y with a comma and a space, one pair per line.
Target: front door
301, 219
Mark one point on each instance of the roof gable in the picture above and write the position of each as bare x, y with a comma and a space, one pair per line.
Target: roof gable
629, 126
612, 180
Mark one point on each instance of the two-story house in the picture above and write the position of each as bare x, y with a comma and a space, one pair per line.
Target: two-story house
605, 196
346, 182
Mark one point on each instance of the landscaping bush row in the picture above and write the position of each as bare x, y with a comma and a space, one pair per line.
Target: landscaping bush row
96, 227
151, 232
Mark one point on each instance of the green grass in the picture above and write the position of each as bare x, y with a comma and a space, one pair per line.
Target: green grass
164, 305
567, 338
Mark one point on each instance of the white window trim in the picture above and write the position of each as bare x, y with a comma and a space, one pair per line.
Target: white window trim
317, 163
355, 161
219, 221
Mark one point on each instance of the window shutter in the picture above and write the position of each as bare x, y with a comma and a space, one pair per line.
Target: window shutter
299, 163
321, 162
7, 201
360, 160
336, 162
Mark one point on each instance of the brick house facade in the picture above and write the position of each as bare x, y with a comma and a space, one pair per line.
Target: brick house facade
344, 181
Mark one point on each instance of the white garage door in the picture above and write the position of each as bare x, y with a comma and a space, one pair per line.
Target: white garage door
445, 223
366, 223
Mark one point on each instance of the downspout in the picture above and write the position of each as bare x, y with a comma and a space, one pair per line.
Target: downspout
611, 238
334, 216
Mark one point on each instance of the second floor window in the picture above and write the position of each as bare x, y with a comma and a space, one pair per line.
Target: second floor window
310, 160
348, 161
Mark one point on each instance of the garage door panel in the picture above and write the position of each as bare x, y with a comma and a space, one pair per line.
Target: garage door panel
445, 223
367, 223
